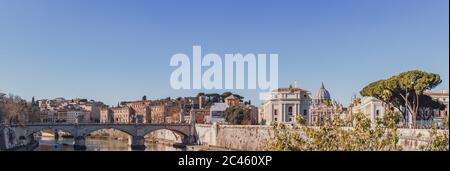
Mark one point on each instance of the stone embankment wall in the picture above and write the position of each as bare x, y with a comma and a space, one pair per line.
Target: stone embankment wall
257, 137
234, 137
14, 139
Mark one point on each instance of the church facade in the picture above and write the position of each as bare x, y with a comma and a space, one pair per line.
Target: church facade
284, 105
323, 107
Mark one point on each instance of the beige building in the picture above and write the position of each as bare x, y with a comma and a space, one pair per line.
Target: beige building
142, 110
371, 107
200, 115
440, 115
54, 116
94, 111
158, 112
66, 116
164, 111
443, 97
283, 105
106, 115
91, 108
123, 114
76, 116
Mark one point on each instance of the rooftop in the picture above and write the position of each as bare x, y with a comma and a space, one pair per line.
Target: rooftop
440, 93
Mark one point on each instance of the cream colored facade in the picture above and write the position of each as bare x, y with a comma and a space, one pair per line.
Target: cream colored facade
283, 105
106, 115
76, 116
123, 114
66, 116
164, 111
61, 105
158, 113
374, 108
443, 97
371, 107
142, 110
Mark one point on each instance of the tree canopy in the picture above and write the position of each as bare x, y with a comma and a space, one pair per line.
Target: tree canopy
237, 115
333, 136
405, 90
13, 109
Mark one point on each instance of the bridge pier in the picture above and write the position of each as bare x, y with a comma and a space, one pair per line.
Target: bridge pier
137, 142
190, 139
80, 143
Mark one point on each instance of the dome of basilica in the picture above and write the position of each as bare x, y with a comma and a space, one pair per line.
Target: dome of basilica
322, 94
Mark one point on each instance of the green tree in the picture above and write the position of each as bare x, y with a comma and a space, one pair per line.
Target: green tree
213, 98
446, 122
226, 94
356, 101
437, 141
241, 99
34, 105
237, 115
327, 102
333, 136
404, 91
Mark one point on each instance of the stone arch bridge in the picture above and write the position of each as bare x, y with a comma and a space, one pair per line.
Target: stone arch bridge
135, 131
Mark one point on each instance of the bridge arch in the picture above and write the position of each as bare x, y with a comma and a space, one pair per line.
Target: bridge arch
89, 130
182, 134
136, 132
35, 129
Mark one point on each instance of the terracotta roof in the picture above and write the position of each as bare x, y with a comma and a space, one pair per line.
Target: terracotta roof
437, 93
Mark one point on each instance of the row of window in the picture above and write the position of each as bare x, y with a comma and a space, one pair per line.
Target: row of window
305, 112
290, 119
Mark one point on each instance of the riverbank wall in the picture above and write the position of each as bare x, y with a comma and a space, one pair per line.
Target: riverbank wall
258, 137
14, 139
214, 136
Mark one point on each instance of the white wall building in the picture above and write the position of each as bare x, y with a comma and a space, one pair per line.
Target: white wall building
371, 107
76, 116
323, 107
443, 97
283, 105
217, 112
374, 108
106, 115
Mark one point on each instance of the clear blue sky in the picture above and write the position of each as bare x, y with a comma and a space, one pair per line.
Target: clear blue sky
114, 50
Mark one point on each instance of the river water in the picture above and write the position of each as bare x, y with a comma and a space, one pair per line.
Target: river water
96, 144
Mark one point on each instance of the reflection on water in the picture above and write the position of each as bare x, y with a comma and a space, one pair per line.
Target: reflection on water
96, 144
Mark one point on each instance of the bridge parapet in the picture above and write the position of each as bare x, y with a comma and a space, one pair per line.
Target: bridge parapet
136, 131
